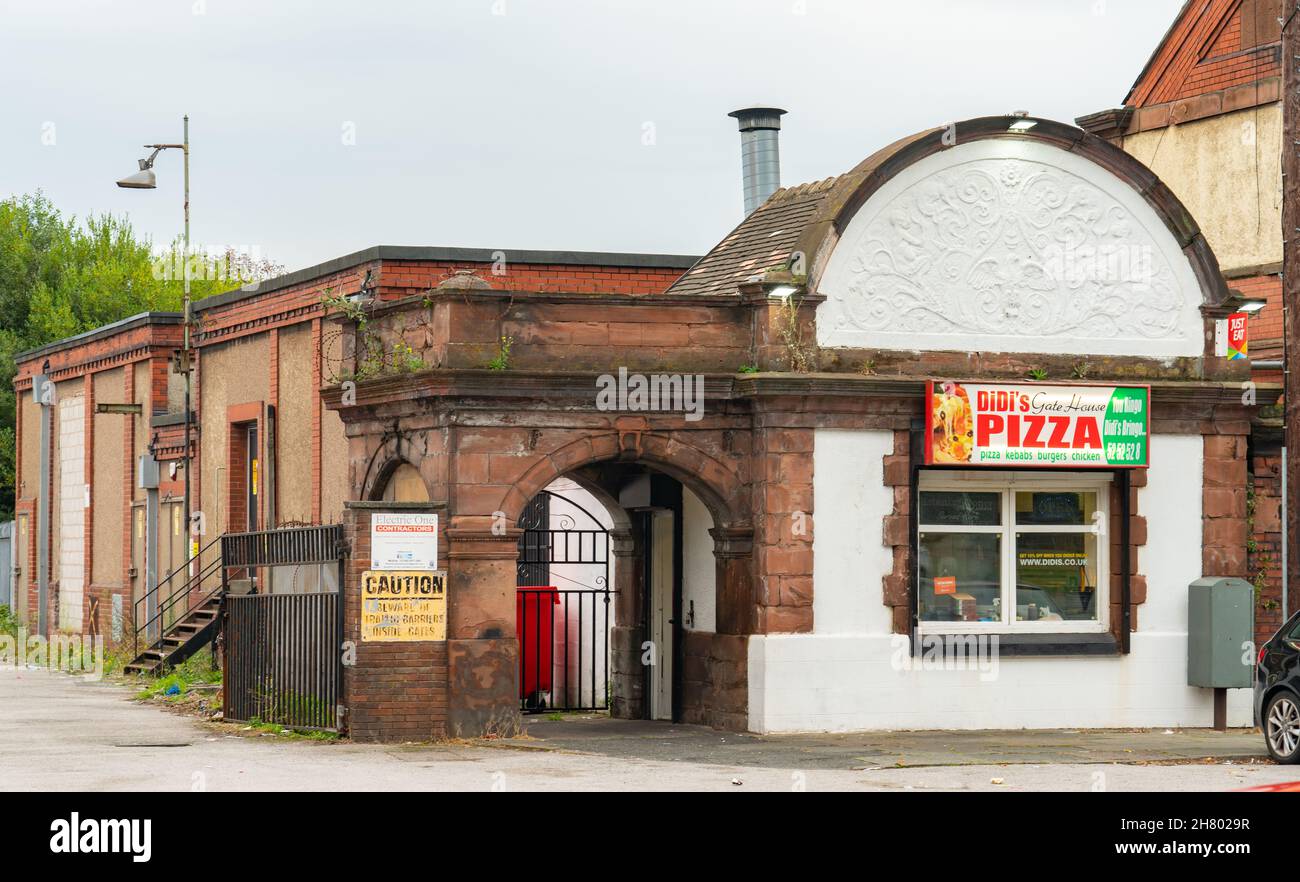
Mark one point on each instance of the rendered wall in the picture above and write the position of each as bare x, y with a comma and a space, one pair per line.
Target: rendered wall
106, 493
865, 679
1225, 169
293, 462
232, 373
335, 482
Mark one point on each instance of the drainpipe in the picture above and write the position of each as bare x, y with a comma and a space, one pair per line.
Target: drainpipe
43, 392
760, 156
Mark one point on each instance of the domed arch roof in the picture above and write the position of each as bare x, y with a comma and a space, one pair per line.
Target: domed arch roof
1060, 241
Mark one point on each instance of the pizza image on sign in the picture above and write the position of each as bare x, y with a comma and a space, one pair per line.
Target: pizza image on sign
952, 428
1036, 425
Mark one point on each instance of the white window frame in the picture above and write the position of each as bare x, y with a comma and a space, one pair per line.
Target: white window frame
1007, 483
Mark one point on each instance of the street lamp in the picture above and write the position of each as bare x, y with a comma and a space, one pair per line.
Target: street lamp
144, 179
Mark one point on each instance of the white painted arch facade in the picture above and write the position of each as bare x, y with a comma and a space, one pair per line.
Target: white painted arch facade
1010, 245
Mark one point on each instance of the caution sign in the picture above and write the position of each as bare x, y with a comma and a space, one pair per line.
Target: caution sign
403, 607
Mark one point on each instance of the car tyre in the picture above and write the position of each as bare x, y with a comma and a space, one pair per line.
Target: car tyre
1281, 725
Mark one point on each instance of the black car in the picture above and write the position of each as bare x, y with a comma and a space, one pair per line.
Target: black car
1277, 693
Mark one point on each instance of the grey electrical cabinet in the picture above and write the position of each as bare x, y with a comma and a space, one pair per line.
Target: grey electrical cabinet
1220, 632
147, 473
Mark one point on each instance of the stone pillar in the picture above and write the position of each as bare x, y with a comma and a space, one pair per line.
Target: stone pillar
737, 609
392, 691
726, 692
482, 644
1223, 506
627, 675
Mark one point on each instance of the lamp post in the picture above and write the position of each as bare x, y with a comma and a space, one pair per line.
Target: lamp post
144, 179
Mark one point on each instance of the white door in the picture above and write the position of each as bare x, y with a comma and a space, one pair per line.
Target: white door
661, 614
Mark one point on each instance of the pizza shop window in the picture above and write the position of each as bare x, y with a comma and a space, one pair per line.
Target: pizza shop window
1013, 552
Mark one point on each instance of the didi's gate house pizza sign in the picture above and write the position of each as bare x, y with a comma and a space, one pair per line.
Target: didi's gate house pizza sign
1036, 425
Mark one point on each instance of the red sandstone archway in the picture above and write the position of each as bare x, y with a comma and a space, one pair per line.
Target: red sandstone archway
717, 486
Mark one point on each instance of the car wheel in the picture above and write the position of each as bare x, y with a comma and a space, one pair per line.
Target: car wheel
1282, 727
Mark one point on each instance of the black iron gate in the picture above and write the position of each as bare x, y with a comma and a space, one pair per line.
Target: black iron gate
282, 651
563, 607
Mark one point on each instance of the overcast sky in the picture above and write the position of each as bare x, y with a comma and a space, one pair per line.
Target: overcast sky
322, 128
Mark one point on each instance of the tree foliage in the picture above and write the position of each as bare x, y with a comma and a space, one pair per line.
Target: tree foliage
60, 277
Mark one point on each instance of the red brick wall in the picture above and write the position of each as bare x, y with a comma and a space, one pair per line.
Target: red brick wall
150, 343
1264, 327
1223, 551
1214, 45
574, 332
783, 492
401, 278
394, 691
1264, 566
128, 495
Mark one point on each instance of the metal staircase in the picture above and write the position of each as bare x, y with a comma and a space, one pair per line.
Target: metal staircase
180, 615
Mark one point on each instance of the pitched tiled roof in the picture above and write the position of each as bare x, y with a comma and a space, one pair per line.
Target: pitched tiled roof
1212, 45
763, 241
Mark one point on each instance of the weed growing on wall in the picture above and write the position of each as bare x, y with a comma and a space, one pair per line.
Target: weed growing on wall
501, 361
373, 357
798, 352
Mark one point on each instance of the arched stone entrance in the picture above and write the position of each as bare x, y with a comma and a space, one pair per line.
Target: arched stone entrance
482, 466
667, 659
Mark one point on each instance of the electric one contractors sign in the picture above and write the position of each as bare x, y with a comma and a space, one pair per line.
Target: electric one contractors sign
1036, 425
401, 541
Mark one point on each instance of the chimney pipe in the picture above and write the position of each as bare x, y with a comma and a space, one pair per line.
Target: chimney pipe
760, 156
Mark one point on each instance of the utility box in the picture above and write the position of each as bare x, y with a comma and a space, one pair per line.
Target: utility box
147, 473
1220, 633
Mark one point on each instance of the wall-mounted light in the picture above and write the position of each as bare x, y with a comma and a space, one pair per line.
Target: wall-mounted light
1250, 307
1022, 125
782, 291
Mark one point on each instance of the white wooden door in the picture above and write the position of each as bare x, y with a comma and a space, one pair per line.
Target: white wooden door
661, 614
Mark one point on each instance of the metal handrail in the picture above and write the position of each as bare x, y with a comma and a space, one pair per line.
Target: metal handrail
252, 550
166, 607
190, 583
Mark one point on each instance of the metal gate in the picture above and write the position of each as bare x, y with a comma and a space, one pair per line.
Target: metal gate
562, 607
283, 651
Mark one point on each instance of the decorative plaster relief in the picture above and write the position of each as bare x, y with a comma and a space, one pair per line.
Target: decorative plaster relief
1010, 246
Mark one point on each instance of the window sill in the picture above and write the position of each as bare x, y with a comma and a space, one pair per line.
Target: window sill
1057, 644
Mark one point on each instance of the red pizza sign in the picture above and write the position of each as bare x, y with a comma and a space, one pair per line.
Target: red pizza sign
1036, 425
